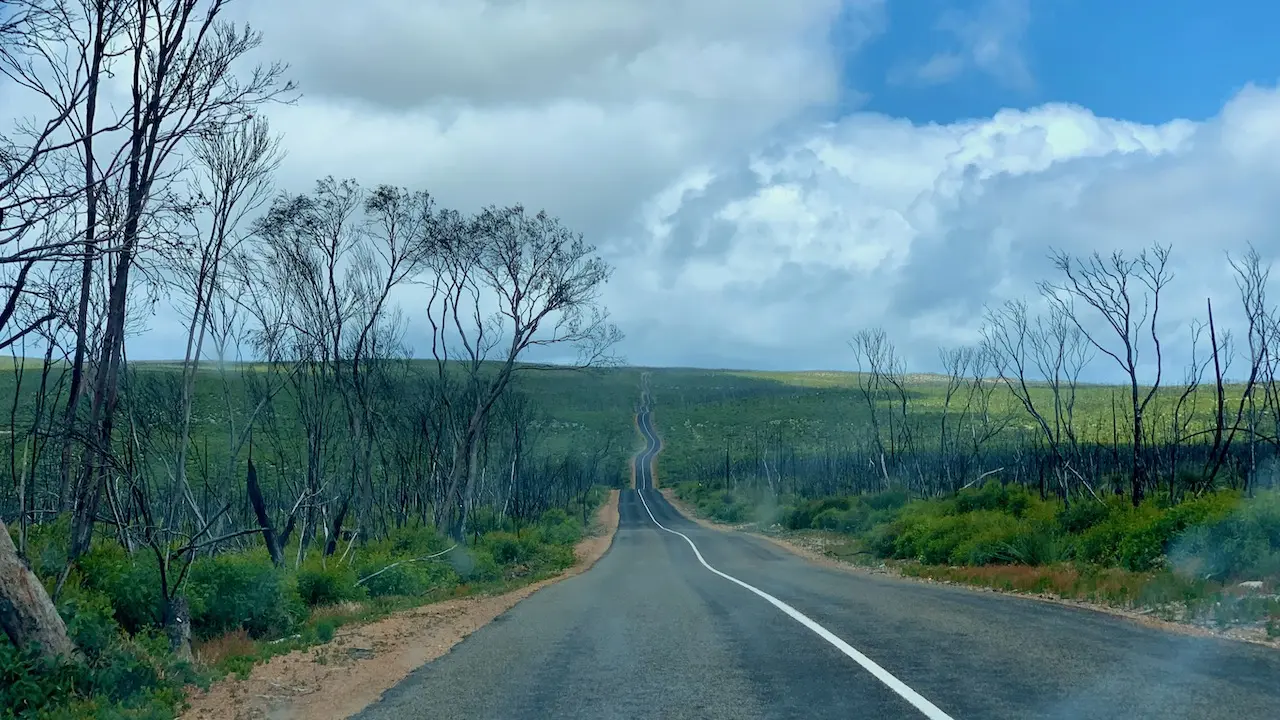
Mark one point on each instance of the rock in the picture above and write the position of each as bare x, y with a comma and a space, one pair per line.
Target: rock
1250, 585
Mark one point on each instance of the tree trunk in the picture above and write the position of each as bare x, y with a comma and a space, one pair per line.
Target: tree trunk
274, 545
26, 612
332, 546
177, 625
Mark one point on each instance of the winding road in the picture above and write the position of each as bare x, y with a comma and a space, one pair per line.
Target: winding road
681, 621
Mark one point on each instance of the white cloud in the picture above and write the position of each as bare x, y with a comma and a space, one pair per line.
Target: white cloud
875, 221
680, 137
988, 39
582, 108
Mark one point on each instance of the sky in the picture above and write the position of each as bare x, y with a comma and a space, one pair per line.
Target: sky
769, 178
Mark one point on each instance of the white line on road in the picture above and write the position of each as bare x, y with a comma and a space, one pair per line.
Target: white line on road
931, 711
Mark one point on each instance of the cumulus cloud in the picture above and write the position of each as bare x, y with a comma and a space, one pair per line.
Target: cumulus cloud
687, 141
578, 107
875, 221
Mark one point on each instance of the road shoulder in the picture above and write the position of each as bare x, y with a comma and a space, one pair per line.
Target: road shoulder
812, 551
340, 678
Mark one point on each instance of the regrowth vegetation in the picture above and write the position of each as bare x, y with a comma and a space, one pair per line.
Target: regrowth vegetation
293, 455
1151, 476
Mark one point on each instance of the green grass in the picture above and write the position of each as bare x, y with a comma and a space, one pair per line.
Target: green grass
575, 411
701, 412
698, 412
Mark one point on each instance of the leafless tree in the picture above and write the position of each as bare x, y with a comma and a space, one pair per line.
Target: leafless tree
1185, 407
876, 362
504, 282
956, 363
1252, 277
180, 64
332, 260
1125, 294
1053, 348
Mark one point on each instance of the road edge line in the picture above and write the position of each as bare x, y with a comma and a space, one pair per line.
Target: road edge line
918, 701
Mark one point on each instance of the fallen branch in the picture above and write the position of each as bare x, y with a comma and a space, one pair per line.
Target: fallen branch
402, 562
980, 477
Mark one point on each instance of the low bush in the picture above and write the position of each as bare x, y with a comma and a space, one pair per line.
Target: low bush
236, 591
1215, 535
130, 581
1240, 545
328, 584
111, 603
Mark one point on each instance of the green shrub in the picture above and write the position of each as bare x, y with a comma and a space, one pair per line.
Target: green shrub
552, 558
90, 620
1010, 499
982, 537
325, 630
328, 586
505, 548
1035, 544
806, 514
1081, 515
29, 684
957, 539
1100, 544
560, 529
242, 590
1149, 532
128, 678
413, 541
47, 545
1240, 545
887, 500
130, 582
882, 539
474, 564
405, 579
554, 516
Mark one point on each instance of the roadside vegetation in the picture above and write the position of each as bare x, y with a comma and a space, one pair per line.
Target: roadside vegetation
1006, 470
244, 610
1213, 559
347, 421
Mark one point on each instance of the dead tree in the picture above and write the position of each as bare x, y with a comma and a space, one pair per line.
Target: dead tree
1053, 349
332, 260
544, 282
1184, 408
1125, 294
874, 357
180, 61
1252, 277
27, 615
234, 168
956, 363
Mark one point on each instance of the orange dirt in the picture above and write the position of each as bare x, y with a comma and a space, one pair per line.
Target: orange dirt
342, 677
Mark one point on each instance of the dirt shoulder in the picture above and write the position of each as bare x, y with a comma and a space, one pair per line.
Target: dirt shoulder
342, 677
813, 546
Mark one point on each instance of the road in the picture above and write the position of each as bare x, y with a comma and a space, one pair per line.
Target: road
652, 631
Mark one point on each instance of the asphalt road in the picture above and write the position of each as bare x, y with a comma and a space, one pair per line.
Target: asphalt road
650, 631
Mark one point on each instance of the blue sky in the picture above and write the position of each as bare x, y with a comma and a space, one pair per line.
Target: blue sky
1139, 60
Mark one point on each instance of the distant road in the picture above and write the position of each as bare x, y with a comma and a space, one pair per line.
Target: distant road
653, 631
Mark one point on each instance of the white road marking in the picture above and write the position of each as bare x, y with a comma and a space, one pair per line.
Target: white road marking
931, 711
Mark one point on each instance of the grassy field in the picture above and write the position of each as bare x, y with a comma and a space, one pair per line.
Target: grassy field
701, 412
573, 410
698, 412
